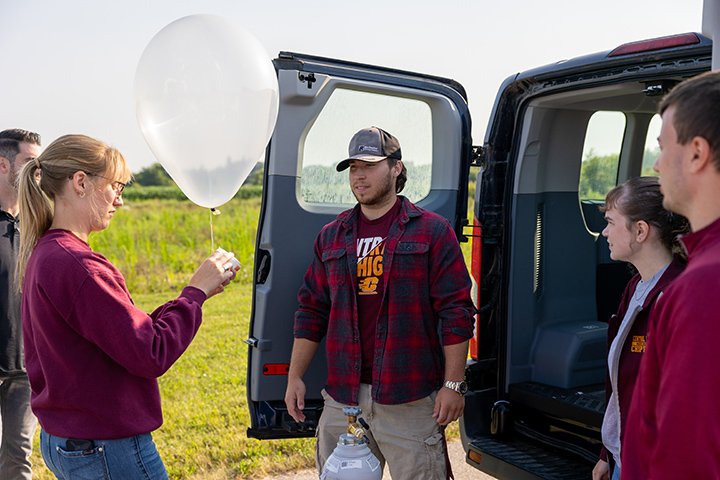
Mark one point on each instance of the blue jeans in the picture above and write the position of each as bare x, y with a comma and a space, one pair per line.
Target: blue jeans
131, 458
17, 424
615, 473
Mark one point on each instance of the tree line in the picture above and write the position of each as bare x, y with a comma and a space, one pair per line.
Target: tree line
599, 173
154, 183
597, 176
155, 176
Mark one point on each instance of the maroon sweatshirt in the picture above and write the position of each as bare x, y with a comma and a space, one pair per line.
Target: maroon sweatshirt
92, 356
673, 428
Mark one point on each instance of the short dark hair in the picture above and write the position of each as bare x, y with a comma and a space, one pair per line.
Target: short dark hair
402, 178
20, 135
11, 139
9, 148
697, 103
640, 198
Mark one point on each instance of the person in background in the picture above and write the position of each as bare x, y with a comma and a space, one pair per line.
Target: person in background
92, 356
389, 290
673, 427
641, 232
17, 423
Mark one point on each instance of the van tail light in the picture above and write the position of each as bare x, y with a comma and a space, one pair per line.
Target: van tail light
475, 269
276, 368
655, 44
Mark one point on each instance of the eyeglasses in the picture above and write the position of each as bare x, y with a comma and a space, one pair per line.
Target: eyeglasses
117, 186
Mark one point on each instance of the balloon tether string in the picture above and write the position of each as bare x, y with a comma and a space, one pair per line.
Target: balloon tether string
213, 212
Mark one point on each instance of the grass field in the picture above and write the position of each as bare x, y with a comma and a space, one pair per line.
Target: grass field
157, 244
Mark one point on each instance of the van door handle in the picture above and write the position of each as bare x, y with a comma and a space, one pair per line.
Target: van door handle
261, 345
263, 267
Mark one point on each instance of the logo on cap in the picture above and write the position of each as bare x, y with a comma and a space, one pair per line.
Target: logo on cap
368, 148
371, 145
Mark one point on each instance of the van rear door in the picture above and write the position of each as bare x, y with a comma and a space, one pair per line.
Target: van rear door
323, 102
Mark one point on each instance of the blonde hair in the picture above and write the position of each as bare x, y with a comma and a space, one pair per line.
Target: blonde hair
57, 164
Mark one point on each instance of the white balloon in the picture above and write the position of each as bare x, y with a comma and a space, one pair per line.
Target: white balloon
206, 97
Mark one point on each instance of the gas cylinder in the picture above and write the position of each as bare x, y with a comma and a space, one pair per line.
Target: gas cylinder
352, 458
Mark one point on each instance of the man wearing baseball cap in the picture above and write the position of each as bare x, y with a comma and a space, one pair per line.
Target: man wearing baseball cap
389, 291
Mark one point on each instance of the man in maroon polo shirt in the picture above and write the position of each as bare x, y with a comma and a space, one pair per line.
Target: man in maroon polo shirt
673, 428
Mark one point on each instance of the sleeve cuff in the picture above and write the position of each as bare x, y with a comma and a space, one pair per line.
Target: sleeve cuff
194, 294
454, 339
604, 454
307, 335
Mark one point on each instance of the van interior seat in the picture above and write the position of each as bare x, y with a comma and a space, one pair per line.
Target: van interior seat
570, 354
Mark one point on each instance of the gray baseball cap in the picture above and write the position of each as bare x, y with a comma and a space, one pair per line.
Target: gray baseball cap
371, 145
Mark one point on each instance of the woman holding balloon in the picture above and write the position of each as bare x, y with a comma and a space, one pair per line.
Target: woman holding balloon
92, 356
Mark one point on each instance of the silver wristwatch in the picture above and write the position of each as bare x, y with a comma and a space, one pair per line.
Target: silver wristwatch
458, 386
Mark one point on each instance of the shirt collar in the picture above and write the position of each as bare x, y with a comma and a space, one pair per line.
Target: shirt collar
4, 214
696, 242
407, 210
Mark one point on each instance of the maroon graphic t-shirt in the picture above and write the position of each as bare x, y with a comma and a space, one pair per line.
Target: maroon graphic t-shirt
370, 282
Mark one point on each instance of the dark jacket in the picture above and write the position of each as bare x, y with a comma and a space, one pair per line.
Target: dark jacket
11, 347
92, 356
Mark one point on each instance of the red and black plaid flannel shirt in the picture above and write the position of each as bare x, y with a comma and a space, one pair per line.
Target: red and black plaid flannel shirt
426, 305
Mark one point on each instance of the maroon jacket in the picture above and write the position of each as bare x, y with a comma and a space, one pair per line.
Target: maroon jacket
673, 430
634, 346
92, 356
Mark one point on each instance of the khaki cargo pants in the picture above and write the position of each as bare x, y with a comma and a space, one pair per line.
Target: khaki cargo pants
405, 435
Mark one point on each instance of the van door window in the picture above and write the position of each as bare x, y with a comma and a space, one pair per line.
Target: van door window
652, 150
601, 155
348, 111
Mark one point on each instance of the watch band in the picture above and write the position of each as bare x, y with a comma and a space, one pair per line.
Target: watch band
459, 386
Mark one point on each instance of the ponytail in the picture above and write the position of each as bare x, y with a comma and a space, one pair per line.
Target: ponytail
36, 212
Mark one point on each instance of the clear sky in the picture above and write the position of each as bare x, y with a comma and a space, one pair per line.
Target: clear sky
69, 65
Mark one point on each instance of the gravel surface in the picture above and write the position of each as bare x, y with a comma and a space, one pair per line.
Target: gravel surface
461, 469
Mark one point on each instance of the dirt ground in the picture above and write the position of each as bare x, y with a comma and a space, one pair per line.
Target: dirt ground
461, 469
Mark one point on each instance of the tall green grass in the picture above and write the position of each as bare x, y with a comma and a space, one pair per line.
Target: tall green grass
157, 244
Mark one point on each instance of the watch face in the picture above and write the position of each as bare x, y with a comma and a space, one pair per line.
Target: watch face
462, 388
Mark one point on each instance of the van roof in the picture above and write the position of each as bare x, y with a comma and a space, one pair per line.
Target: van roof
634, 53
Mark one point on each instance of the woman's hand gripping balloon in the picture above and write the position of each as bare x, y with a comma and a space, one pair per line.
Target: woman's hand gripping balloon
215, 273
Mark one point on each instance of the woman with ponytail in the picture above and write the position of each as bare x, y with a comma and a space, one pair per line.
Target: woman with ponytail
92, 356
641, 232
